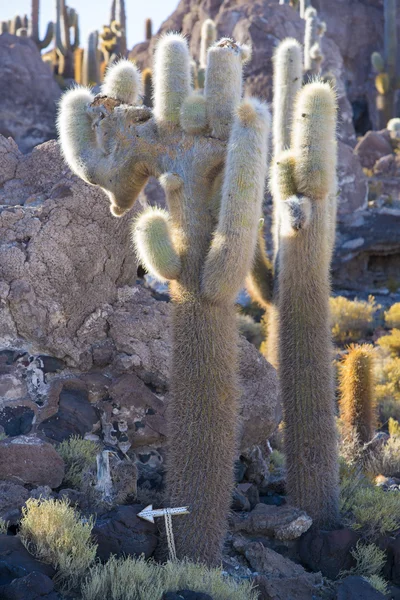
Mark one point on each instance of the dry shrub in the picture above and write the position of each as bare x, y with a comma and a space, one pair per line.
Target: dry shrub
55, 533
352, 319
79, 455
391, 342
135, 579
392, 316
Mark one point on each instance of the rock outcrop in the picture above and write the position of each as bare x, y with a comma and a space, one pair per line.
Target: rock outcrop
29, 93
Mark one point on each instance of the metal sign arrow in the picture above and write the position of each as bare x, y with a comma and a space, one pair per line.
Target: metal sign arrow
149, 513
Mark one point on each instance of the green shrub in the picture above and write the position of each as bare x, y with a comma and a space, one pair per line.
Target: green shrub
277, 460
79, 455
392, 316
391, 342
370, 561
373, 511
54, 533
387, 390
251, 330
386, 460
135, 579
352, 319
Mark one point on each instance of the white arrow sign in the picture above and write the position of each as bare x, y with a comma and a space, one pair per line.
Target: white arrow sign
149, 513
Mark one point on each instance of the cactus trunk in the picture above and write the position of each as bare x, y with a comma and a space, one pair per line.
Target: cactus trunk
202, 421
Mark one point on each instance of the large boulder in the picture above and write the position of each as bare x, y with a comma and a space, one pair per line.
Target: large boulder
29, 93
30, 460
63, 256
373, 146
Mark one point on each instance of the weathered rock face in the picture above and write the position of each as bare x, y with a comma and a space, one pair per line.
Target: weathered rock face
63, 255
29, 94
373, 146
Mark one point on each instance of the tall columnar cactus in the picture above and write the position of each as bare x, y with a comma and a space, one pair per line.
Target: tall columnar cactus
207, 39
33, 30
148, 29
66, 19
210, 155
304, 4
357, 406
118, 15
387, 80
288, 67
305, 179
314, 31
91, 62
147, 81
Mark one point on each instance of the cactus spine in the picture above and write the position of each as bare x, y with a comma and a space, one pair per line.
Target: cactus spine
314, 31
204, 246
33, 29
305, 176
357, 406
387, 78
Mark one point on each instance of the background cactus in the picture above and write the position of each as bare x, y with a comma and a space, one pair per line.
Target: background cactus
148, 26
207, 39
214, 182
147, 80
387, 79
33, 30
91, 61
305, 177
304, 4
314, 31
66, 19
357, 407
118, 15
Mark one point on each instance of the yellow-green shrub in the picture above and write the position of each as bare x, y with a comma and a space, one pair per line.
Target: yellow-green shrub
370, 561
352, 319
393, 427
392, 316
78, 455
388, 390
386, 460
373, 511
391, 342
135, 579
54, 533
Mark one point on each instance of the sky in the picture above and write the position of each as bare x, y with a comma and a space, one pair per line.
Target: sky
95, 13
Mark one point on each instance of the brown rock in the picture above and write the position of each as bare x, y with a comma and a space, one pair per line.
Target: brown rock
291, 588
328, 551
12, 498
372, 147
279, 522
28, 102
29, 460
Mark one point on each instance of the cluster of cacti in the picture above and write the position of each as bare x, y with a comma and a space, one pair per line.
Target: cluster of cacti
210, 155
24, 27
387, 80
314, 31
357, 407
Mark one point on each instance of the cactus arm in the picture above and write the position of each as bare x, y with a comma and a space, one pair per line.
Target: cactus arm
231, 253
260, 281
93, 145
208, 37
305, 350
152, 238
73, 21
223, 84
287, 82
171, 78
123, 82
